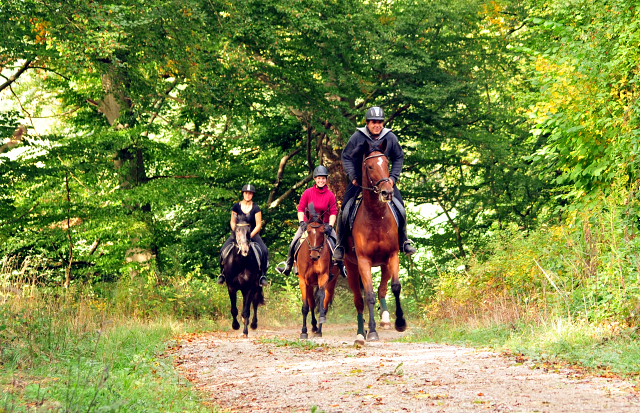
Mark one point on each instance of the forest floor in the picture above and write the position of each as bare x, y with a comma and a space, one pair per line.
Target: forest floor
273, 371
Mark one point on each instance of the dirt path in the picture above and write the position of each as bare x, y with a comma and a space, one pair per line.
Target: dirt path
262, 374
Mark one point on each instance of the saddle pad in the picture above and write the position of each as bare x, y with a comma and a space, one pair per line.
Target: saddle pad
396, 209
225, 252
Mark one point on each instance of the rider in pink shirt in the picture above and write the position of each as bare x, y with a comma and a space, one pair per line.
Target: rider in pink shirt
324, 202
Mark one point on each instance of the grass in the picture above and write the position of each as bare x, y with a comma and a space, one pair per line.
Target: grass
120, 368
601, 348
297, 344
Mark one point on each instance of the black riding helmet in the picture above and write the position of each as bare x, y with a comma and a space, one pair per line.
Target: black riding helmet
249, 188
374, 113
320, 171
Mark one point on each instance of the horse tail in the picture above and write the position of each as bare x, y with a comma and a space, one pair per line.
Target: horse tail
258, 298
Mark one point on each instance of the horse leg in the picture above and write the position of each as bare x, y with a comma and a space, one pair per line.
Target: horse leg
234, 309
247, 299
382, 297
322, 316
353, 279
364, 267
255, 302
312, 307
305, 307
394, 266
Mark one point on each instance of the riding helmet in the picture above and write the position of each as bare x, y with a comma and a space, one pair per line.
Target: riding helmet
249, 188
320, 171
374, 113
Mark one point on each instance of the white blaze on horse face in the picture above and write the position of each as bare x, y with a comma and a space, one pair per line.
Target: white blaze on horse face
380, 161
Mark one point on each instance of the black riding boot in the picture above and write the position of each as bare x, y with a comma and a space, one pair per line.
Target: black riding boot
338, 253
404, 242
289, 262
221, 278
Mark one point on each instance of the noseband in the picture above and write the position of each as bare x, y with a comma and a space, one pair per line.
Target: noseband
374, 186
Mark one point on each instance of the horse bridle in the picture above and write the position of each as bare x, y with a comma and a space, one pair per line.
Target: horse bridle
324, 240
246, 240
374, 187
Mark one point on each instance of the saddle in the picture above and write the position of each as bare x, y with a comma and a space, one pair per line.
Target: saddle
253, 247
350, 211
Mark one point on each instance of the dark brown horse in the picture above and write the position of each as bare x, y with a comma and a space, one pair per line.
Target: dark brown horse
374, 242
241, 269
314, 265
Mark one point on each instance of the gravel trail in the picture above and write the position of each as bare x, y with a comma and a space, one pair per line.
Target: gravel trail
272, 372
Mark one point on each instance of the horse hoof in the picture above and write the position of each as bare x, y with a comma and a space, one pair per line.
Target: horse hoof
372, 336
245, 335
322, 320
304, 336
314, 329
359, 340
317, 335
254, 325
401, 324
385, 326
235, 325
384, 318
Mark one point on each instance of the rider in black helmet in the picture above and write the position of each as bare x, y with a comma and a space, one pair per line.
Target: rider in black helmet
251, 212
352, 164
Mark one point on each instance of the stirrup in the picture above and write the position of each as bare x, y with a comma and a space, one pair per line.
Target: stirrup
263, 281
221, 279
408, 247
281, 267
343, 270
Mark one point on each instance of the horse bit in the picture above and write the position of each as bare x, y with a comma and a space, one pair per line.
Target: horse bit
375, 187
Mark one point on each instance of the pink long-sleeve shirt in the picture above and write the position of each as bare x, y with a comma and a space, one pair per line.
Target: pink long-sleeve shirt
322, 199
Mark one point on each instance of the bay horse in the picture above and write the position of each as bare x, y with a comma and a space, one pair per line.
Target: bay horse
314, 277
374, 242
241, 269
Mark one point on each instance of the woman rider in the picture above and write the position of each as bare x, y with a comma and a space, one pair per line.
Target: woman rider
251, 213
324, 202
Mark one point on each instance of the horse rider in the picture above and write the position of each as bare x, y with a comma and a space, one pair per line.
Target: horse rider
352, 163
252, 214
324, 202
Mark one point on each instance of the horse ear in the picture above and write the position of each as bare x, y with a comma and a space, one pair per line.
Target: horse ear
312, 209
383, 146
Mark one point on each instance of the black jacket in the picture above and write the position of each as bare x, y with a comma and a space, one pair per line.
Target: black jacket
357, 146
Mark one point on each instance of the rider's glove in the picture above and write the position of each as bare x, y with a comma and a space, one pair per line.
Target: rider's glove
303, 225
328, 228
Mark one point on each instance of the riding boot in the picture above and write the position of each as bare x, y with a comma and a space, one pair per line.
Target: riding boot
404, 242
343, 271
338, 252
289, 262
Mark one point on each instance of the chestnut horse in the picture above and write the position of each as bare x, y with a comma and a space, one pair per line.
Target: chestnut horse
373, 243
314, 266
241, 269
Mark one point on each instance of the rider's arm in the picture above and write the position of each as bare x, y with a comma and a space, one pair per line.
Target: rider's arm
258, 224
349, 161
300, 216
396, 156
332, 219
233, 220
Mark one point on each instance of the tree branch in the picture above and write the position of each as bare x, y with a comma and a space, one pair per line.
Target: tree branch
290, 191
280, 174
16, 75
173, 176
21, 216
398, 112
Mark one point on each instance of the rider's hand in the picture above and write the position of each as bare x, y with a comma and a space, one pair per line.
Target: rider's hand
355, 182
303, 225
327, 228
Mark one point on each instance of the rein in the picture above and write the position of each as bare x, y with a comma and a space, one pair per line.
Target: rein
374, 187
